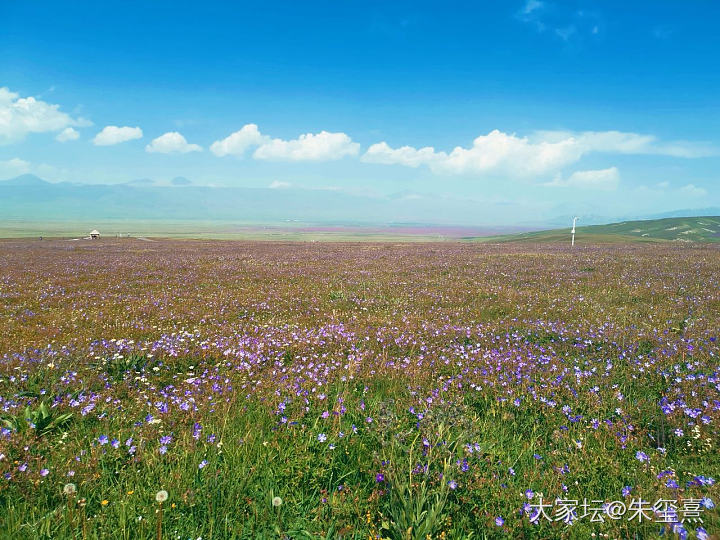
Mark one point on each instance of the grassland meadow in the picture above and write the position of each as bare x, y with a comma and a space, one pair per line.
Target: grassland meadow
209, 389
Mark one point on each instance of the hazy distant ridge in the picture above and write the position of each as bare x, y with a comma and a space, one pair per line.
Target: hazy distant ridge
30, 198
678, 229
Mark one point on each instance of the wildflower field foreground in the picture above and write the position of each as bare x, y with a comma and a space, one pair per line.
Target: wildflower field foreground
186, 389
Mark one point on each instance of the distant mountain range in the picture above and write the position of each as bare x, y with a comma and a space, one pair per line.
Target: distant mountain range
28, 197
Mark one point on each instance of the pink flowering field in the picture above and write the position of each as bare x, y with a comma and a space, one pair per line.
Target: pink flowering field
187, 389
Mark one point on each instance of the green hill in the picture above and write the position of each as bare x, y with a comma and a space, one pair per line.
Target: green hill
681, 229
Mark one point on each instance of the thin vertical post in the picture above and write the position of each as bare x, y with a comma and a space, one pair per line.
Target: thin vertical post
572, 233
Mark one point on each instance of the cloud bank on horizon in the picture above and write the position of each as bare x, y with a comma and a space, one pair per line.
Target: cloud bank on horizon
497, 154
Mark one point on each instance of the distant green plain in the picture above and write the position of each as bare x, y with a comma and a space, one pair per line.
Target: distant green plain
685, 229
211, 230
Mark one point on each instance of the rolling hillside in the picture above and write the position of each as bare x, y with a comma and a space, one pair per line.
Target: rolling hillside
680, 229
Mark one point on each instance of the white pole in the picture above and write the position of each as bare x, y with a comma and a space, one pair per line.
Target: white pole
572, 241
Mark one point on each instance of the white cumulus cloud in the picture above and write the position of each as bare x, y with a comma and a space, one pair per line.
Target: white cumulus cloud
405, 155
542, 153
20, 116
67, 134
620, 142
323, 146
693, 191
111, 135
509, 154
604, 179
171, 142
13, 167
496, 152
278, 184
236, 144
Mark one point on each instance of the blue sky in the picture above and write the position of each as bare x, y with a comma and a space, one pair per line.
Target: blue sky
531, 108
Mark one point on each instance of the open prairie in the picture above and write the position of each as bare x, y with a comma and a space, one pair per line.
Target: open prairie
330, 390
